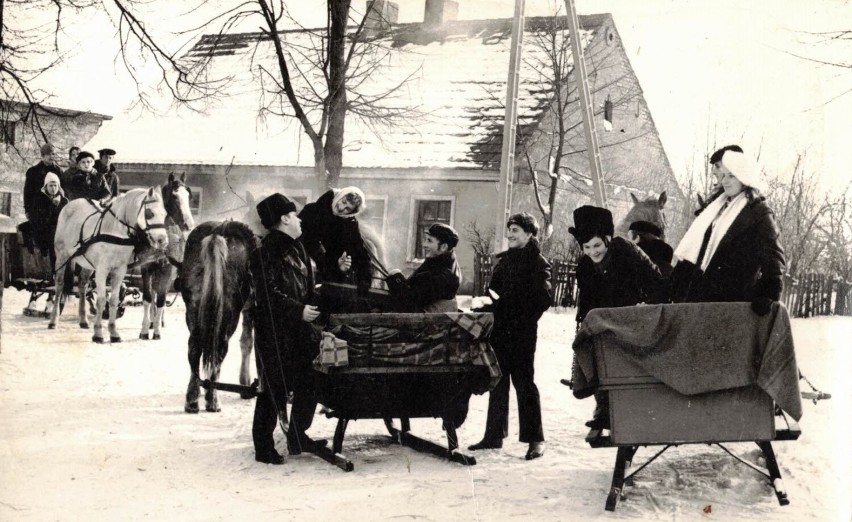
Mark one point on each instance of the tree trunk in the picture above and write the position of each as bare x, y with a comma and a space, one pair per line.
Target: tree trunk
336, 103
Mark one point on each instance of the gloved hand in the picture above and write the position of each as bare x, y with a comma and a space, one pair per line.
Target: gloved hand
760, 305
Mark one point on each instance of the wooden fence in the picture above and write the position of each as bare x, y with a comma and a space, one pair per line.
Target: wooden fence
809, 295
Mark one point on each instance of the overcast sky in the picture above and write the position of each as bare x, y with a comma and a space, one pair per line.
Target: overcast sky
704, 66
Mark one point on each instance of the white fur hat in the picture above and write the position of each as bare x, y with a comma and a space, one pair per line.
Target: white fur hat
745, 169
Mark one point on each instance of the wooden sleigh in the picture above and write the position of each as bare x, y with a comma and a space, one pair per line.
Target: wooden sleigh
380, 383
643, 411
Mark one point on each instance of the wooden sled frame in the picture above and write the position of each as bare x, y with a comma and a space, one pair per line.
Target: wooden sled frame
624, 457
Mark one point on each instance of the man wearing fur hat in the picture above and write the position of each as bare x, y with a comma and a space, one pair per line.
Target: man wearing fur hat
433, 286
332, 237
34, 178
44, 214
731, 252
285, 341
520, 289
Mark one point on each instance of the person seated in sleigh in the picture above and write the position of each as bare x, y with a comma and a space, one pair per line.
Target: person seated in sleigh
44, 215
433, 286
86, 182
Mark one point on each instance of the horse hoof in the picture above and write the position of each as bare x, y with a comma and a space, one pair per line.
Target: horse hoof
84, 326
156, 337
213, 409
51, 326
114, 339
144, 336
98, 339
191, 408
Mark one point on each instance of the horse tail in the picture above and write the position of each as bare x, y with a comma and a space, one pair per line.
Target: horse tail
214, 254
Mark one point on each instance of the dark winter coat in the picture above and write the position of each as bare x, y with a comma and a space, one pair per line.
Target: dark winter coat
44, 215
34, 181
87, 185
437, 279
285, 345
110, 177
748, 263
625, 277
521, 279
660, 252
327, 236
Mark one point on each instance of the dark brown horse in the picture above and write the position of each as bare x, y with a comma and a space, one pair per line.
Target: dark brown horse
216, 288
157, 276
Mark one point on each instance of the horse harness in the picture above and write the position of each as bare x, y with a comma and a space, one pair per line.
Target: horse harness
132, 238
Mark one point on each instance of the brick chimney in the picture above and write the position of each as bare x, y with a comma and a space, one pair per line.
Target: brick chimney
440, 11
381, 15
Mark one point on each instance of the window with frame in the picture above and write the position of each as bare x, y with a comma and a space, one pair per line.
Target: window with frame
5, 202
427, 213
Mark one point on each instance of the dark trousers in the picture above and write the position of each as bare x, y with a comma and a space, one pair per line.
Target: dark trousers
266, 418
520, 368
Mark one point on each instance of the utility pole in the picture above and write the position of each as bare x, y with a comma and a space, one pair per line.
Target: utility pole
507, 156
595, 169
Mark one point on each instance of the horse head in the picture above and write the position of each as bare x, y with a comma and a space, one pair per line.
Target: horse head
649, 209
176, 198
149, 216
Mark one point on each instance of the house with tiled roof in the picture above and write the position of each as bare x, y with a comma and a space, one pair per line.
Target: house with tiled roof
439, 163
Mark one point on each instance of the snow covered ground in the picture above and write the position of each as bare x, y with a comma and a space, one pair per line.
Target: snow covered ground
98, 432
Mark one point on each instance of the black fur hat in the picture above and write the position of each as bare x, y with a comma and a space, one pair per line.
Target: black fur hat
646, 227
591, 221
444, 234
526, 221
272, 208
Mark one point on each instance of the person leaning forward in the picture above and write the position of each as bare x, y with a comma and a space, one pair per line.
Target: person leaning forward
520, 286
433, 286
285, 341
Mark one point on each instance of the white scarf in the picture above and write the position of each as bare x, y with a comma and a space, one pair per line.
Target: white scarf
690, 245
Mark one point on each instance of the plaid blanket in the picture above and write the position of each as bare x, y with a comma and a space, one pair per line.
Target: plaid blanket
463, 340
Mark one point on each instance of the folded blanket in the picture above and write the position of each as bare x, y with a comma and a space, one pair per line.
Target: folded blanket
696, 348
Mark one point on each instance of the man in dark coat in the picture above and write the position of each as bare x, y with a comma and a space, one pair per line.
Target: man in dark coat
433, 286
332, 237
520, 287
106, 168
86, 182
44, 212
285, 342
646, 236
34, 178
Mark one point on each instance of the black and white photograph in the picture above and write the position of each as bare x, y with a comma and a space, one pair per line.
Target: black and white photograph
436, 260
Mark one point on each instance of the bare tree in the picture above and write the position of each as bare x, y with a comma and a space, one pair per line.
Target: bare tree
546, 151
318, 82
829, 48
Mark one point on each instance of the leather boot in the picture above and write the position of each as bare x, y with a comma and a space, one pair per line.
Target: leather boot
535, 451
486, 443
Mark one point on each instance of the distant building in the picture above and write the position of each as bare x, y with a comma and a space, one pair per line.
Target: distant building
441, 164
21, 138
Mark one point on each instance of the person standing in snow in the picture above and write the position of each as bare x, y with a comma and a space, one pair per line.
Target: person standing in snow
520, 287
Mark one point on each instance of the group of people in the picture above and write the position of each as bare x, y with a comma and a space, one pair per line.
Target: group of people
47, 189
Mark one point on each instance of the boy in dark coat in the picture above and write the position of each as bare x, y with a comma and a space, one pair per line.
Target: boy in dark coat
612, 272
285, 341
106, 168
520, 286
332, 237
44, 211
86, 182
433, 286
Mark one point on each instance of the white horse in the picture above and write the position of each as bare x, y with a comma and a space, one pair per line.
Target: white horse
103, 239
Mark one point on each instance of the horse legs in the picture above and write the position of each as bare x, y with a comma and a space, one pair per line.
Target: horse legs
157, 308
100, 289
246, 343
194, 356
114, 301
83, 289
147, 303
59, 281
211, 397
